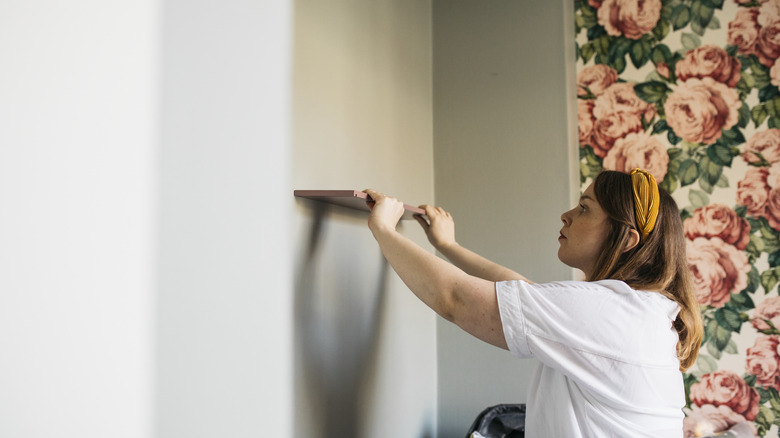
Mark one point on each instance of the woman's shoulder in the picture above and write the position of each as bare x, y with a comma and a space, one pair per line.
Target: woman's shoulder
608, 290
609, 316
646, 297
601, 286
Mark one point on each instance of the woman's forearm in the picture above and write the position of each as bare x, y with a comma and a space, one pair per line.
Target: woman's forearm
466, 300
439, 226
432, 279
476, 265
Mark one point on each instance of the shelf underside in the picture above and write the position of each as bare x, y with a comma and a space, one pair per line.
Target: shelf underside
351, 199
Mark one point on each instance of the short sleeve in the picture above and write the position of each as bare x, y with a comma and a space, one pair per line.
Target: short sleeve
568, 320
512, 319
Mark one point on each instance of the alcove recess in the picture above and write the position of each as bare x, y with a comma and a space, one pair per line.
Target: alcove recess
351, 199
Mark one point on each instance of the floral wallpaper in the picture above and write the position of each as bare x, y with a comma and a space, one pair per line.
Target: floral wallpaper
688, 89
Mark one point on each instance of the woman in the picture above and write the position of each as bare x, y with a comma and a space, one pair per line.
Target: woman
612, 347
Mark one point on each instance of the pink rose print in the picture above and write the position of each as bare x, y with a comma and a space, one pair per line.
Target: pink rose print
772, 212
743, 31
606, 130
698, 109
768, 13
774, 74
638, 150
718, 220
768, 42
752, 190
662, 69
773, 176
631, 18
709, 61
585, 121
759, 191
726, 388
618, 111
595, 78
769, 309
764, 143
718, 270
709, 420
763, 360
773, 208
621, 98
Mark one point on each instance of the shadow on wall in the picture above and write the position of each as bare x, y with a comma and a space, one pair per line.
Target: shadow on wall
340, 285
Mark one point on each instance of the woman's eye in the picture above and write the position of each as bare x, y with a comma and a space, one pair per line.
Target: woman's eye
582, 207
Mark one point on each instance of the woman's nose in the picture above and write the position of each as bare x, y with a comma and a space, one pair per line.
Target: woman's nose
565, 218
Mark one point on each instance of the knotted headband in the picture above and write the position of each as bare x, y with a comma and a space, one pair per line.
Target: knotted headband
646, 201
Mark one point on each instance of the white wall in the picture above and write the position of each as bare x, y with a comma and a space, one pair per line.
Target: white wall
224, 311
145, 265
78, 147
505, 162
362, 117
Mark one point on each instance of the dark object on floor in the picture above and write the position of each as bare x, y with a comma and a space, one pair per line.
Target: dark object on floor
500, 421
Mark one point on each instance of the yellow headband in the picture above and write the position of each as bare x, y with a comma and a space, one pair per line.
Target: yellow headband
646, 200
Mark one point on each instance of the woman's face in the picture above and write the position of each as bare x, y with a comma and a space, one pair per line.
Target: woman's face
585, 228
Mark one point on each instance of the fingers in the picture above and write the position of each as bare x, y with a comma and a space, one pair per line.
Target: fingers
376, 196
386, 211
421, 220
373, 195
432, 211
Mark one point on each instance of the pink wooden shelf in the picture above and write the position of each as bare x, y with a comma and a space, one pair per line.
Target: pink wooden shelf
350, 198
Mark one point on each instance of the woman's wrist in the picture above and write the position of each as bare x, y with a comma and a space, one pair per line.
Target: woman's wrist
379, 229
447, 247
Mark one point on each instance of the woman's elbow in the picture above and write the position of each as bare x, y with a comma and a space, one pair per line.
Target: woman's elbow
447, 306
458, 300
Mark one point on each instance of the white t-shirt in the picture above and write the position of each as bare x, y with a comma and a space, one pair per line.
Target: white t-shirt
608, 358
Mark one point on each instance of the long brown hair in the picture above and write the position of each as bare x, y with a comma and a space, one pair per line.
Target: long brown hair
658, 263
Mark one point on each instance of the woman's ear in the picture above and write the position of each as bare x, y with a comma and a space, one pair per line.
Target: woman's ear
632, 241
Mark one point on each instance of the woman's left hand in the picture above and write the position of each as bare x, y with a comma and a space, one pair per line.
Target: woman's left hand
386, 211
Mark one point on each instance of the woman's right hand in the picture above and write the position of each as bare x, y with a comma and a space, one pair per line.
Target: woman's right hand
440, 227
385, 211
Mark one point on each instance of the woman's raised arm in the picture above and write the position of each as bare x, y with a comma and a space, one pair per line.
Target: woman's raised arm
440, 229
466, 300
